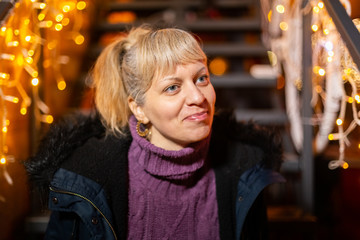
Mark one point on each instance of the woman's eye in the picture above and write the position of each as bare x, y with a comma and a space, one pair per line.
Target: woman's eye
203, 79
171, 88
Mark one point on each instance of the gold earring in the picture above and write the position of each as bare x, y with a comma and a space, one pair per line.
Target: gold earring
138, 130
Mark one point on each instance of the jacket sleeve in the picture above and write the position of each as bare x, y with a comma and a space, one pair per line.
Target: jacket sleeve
65, 225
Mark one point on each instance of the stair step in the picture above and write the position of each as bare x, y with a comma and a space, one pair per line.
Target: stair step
262, 116
235, 49
200, 25
234, 80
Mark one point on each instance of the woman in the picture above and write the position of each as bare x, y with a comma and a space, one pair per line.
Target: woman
154, 163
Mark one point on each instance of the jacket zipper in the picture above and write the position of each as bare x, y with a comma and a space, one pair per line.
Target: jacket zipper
78, 195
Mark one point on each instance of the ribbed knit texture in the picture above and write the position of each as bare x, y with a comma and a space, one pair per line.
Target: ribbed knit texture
171, 193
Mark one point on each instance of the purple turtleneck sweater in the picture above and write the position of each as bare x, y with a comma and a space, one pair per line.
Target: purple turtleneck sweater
171, 193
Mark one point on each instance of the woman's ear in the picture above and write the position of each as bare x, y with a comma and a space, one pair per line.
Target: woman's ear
137, 110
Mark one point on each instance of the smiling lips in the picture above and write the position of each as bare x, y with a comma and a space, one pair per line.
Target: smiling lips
198, 116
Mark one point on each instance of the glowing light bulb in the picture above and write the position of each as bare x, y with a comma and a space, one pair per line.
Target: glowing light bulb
81, 5
329, 46
330, 53
15, 100
4, 129
280, 8
350, 100
23, 111
35, 82
357, 98
331, 137
321, 5
29, 60
316, 9
329, 59
58, 27
79, 39
28, 38
3, 160
314, 27
4, 76
284, 26
61, 85
41, 16
65, 21
59, 17
42, 5
49, 119
339, 122
345, 165
13, 44
326, 31
31, 53
322, 72
66, 8
35, 74
27, 21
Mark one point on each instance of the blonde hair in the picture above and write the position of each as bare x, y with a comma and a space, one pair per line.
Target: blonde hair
127, 67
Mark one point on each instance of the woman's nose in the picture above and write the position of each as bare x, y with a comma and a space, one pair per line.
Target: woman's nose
194, 95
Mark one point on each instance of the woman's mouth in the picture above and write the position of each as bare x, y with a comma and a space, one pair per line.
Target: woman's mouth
198, 116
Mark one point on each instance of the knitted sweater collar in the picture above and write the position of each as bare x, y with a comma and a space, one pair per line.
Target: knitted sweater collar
167, 164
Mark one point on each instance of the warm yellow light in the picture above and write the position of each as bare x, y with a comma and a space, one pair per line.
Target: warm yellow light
329, 59
49, 23
35, 74
280, 8
41, 16
269, 15
27, 21
4, 129
15, 100
316, 9
321, 5
29, 60
322, 72
66, 8
357, 98
326, 31
7, 122
10, 57
345, 165
283, 26
59, 17
339, 121
58, 27
49, 119
331, 53
28, 38
42, 5
13, 44
65, 21
61, 85
23, 110
350, 100
31, 53
218, 66
331, 137
81, 5
314, 27
4, 76
35, 82
3, 29
16, 32
79, 39
3, 160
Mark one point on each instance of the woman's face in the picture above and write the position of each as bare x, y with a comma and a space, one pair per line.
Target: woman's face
179, 107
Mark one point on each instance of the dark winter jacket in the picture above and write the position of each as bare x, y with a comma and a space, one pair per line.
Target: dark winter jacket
84, 174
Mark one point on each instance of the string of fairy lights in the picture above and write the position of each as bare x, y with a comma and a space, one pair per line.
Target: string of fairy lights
334, 72
29, 43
